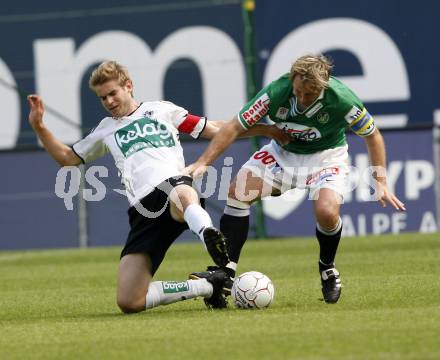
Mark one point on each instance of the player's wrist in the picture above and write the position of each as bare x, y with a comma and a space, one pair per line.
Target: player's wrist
273, 131
381, 179
38, 127
201, 163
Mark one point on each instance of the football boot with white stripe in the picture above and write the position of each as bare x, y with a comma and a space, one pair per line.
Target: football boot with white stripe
331, 285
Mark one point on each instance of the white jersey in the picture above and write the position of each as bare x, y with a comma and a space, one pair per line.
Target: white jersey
145, 145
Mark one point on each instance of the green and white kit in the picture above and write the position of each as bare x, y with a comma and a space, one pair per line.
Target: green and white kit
318, 133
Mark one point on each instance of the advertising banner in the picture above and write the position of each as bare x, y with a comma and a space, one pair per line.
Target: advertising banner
191, 53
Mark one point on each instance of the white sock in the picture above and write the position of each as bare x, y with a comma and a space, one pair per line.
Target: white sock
197, 219
168, 292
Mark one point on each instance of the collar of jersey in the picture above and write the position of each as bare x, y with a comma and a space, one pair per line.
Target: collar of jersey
130, 113
294, 104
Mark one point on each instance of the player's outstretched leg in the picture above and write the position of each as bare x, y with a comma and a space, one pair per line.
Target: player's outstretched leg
236, 229
246, 188
136, 292
234, 224
216, 245
217, 300
200, 223
168, 292
213, 272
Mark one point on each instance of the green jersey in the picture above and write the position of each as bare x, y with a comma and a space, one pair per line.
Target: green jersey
320, 126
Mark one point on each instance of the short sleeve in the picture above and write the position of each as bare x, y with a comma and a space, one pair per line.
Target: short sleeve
184, 121
91, 147
255, 110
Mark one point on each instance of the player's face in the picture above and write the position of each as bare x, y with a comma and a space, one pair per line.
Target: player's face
116, 99
304, 92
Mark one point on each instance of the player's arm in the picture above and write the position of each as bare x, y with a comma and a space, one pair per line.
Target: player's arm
219, 143
270, 131
248, 117
61, 153
211, 128
363, 125
376, 153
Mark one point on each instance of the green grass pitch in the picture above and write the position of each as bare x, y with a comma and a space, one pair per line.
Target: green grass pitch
61, 305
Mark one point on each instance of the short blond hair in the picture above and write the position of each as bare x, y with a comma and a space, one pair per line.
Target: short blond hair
314, 69
107, 71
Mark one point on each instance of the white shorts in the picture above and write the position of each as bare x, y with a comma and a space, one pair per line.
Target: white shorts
284, 170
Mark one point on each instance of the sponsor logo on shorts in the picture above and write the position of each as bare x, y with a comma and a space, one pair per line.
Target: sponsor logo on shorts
255, 111
322, 175
171, 287
276, 168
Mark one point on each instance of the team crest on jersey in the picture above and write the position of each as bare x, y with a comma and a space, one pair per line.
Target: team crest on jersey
141, 134
282, 113
323, 118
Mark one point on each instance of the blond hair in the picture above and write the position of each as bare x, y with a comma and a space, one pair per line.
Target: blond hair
107, 71
314, 69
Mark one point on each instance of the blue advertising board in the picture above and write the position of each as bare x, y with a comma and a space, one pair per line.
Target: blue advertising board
32, 216
410, 175
37, 215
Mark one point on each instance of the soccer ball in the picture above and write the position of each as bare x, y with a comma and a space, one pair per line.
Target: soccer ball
252, 290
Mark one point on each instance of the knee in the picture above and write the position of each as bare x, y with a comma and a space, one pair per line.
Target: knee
242, 193
130, 306
231, 192
327, 215
181, 197
236, 202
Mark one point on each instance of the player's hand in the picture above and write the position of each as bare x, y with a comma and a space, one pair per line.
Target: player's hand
386, 196
36, 111
282, 137
195, 170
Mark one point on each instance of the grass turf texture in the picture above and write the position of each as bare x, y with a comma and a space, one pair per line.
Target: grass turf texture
60, 304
